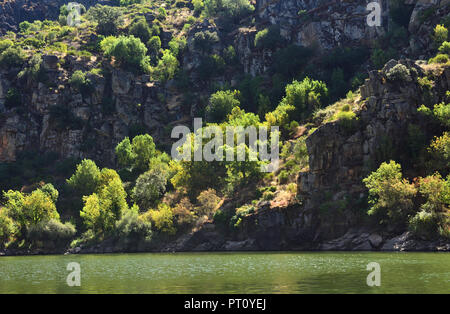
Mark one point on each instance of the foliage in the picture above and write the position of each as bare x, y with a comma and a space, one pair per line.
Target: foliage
80, 82
136, 154
128, 51
162, 219
207, 203
221, 104
268, 38
440, 34
133, 228
305, 97
51, 233
399, 73
232, 10
12, 57
86, 178
390, 196
102, 210
150, 186
444, 48
205, 40
167, 67
7, 229
108, 18
140, 29
439, 58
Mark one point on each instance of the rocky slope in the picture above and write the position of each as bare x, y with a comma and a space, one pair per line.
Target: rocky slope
339, 156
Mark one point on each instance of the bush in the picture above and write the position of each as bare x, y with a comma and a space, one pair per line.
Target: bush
291, 60
141, 30
108, 18
211, 66
167, 67
229, 9
439, 58
444, 48
162, 219
268, 38
205, 40
80, 82
347, 119
207, 203
128, 51
390, 196
131, 228
12, 57
399, 73
7, 229
51, 234
5, 44
305, 97
283, 177
150, 186
440, 34
154, 45
86, 179
136, 154
440, 153
220, 105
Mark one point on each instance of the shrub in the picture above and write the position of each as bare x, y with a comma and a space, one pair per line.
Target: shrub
141, 30
440, 34
128, 51
268, 38
12, 57
80, 82
211, 66
162, 219
150, 186
291, 60
229, 9
390, 196
154, 45
205, 40
184, 212
220, 105
443, 49
347, 119
207, 202
136, 154
5, 44
132, 228
439, 58
108, 18
86, 178
305, 96
51, 234
283, 177
167, 67
7, 229
399, 73
198, 6
424, 224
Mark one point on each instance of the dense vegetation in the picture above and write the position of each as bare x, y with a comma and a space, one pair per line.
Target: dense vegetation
151, 198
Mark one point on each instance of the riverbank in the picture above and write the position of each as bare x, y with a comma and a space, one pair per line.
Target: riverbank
351, 241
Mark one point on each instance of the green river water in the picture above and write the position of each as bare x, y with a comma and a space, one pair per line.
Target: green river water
299, 272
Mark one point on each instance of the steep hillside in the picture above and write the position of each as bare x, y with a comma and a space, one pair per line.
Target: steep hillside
363, 114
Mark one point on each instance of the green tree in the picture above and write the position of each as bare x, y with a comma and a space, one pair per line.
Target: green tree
141, 30
220, 105
167, 67
150, 186
305, 96
86, 178
108, 18
390, 196
128, 51
440, 34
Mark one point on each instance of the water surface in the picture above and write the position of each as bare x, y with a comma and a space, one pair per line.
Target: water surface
322, 272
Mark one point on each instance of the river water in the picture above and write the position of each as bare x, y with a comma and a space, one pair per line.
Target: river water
299, 272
